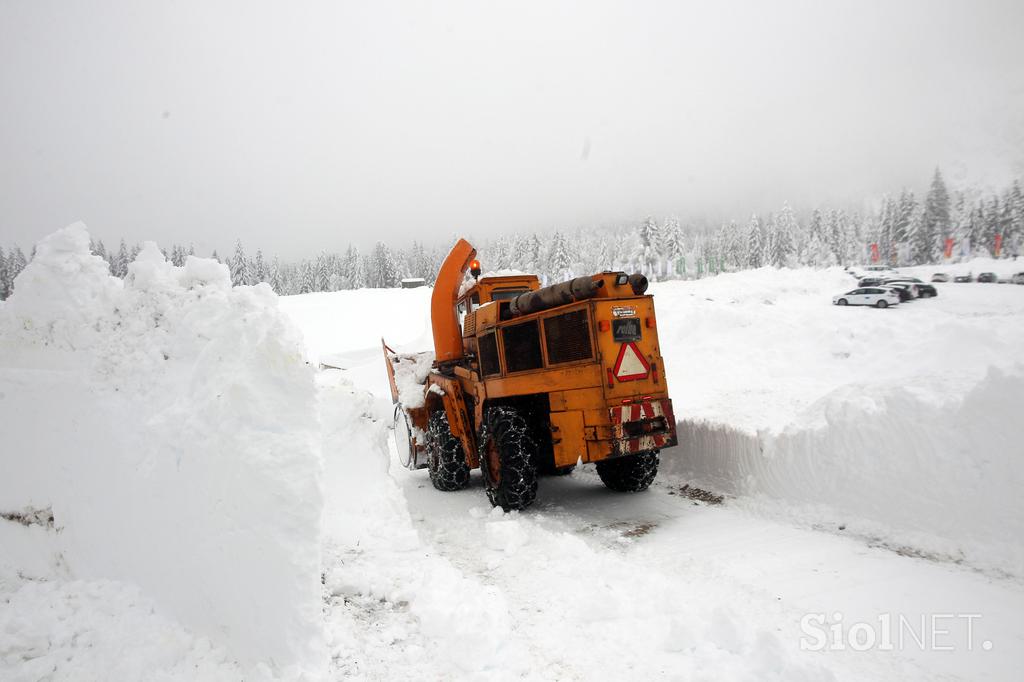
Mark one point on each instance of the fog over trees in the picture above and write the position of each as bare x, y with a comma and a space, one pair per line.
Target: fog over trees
905, 230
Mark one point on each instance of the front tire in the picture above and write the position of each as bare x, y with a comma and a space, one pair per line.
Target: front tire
445, 460
507, 459
629, 474
843, 301
882, 304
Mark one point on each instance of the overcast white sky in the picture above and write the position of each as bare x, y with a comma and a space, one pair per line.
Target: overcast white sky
299, 126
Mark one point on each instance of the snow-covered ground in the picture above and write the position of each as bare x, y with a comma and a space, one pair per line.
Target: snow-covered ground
184, 498
870, 462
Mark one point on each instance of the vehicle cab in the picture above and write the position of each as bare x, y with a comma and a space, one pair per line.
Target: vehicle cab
489, 289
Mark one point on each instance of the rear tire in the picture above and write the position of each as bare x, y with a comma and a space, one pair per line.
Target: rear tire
843, 301
882, 304
507, 459
445, 459
629, 474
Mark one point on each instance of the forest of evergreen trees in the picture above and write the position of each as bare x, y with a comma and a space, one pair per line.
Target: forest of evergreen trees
905, 230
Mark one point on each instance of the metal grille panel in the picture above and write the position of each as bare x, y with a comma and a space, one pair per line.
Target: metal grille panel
489, 355
567, 337
522, 347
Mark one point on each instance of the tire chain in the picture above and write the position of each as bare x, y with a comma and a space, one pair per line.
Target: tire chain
517, 488
445, 459
629, 474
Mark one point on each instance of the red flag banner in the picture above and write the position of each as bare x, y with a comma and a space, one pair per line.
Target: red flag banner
874, 252
949, 248
998, 245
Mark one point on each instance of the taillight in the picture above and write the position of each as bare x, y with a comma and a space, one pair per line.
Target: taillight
603, 325
611, 378
649, 322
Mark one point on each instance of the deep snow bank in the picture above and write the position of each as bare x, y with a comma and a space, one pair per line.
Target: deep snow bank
902, 425
170, 424
886, 465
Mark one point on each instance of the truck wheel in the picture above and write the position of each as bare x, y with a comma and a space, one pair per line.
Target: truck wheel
445, 459
629, 474
507, 459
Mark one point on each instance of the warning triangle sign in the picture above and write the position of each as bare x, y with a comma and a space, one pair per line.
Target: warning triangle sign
630, 364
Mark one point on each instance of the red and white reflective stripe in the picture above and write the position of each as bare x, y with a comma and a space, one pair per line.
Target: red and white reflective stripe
636, 411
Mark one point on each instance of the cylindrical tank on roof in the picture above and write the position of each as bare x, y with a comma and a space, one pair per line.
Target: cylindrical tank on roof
555, 295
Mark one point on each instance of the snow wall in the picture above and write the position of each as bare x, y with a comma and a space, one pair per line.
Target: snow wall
934, 480
169, 422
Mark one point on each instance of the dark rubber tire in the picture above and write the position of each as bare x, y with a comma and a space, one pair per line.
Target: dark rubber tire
629, 474
843, 301
508, 459
445, 460
882, 304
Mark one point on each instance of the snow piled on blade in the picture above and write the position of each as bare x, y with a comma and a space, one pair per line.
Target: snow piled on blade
411, 371
170, 424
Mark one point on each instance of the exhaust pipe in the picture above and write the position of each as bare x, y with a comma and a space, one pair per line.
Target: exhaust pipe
639, 283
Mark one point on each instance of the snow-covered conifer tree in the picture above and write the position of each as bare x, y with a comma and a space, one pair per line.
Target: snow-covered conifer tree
382, 273
935, 225
238, 264
274, 276
5, 280
259, 269
322, 273
559, 262
119, 264
755, 242
307, 278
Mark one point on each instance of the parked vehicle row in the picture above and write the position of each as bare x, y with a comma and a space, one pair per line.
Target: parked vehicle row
881, 286
984, 278
882, 291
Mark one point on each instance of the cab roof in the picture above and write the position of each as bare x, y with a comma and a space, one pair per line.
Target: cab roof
486, 286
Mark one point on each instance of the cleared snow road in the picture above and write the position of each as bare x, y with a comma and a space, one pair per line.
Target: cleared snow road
656, 585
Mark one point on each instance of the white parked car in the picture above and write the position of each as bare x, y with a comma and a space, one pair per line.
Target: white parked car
876, 296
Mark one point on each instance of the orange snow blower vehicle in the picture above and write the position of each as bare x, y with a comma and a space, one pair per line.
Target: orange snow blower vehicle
526, 380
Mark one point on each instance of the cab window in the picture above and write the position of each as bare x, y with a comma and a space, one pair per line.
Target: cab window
506, 294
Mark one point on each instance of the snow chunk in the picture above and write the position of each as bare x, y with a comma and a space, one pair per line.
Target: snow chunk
60, 292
